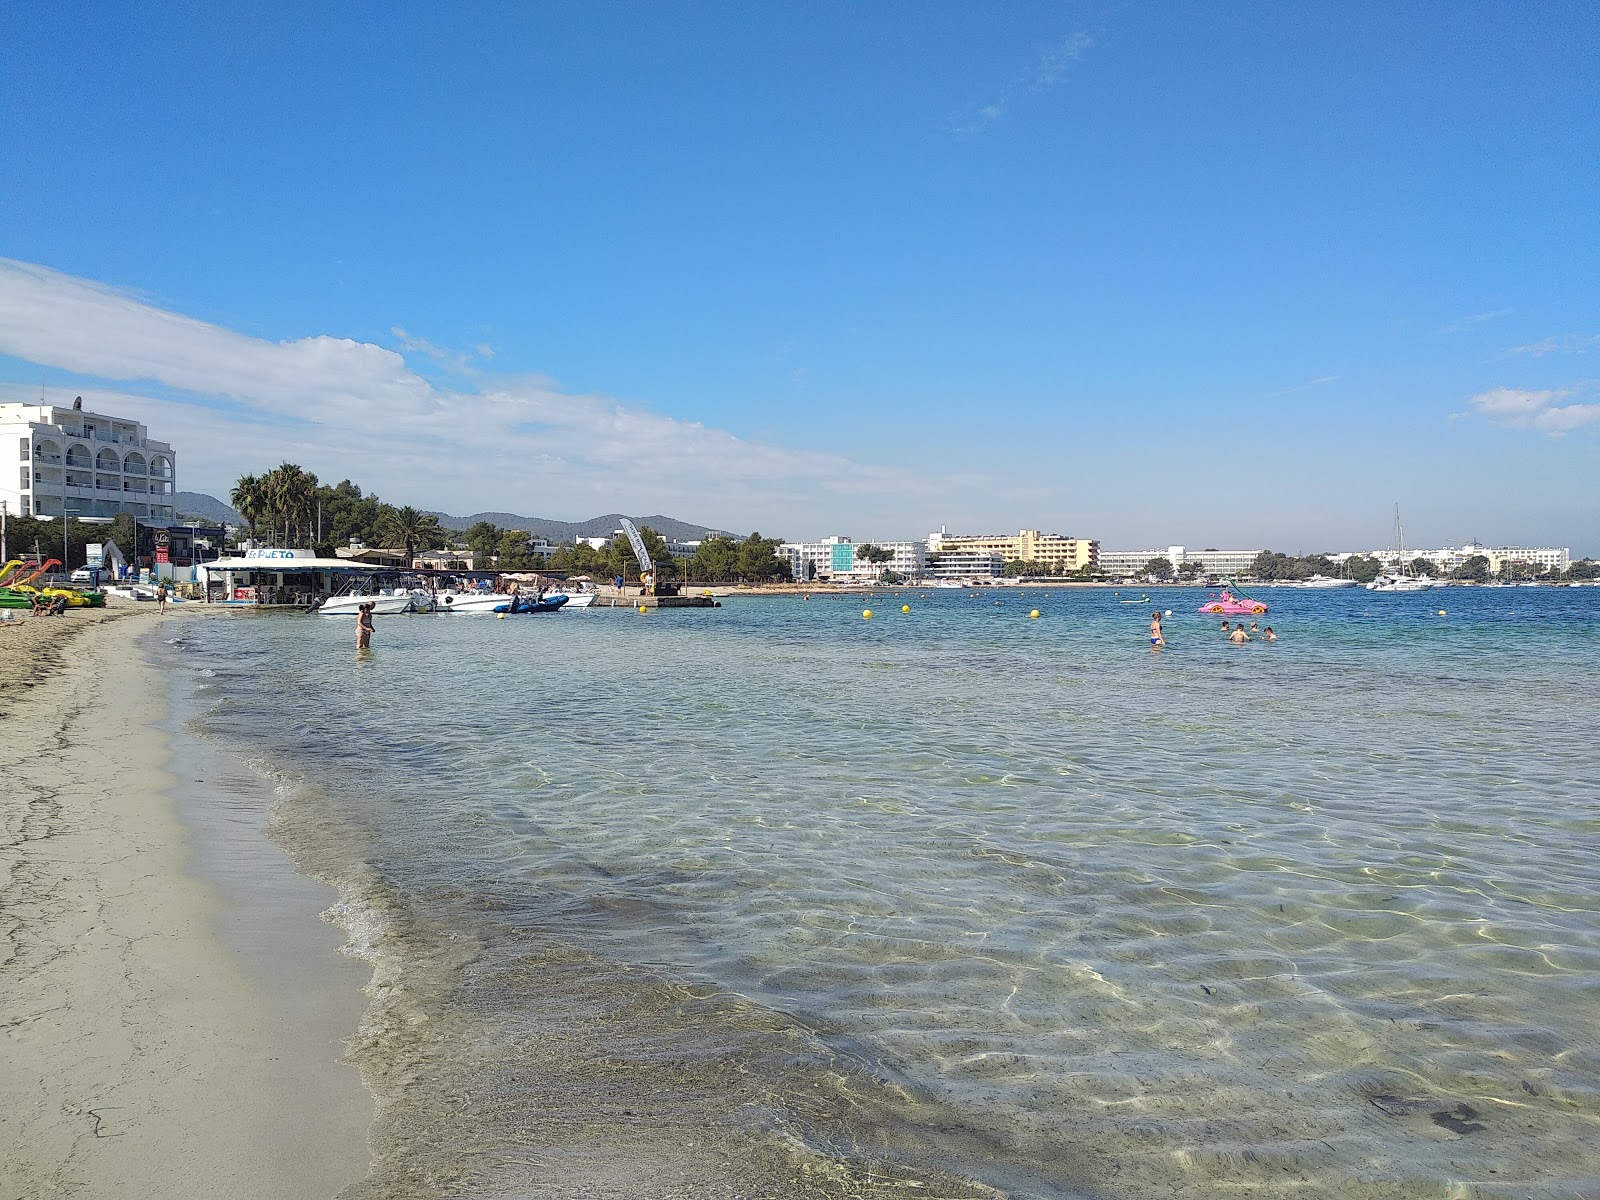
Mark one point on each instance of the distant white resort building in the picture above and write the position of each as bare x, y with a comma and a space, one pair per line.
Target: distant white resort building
1125, 564
834, 559
1448, 559
84, 464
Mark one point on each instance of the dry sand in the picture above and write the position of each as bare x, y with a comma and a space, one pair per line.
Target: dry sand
145, 1051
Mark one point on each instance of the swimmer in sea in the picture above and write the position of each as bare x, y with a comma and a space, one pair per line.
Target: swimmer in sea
1267, 635
364, 627
1239, 636
1224, 627
1155, 630
1255, 627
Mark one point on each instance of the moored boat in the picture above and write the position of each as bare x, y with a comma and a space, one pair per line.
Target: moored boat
383, 603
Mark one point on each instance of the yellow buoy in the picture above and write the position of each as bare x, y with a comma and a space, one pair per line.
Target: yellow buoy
500, 616
905, 608
866, 614
1034, 614
1441, 612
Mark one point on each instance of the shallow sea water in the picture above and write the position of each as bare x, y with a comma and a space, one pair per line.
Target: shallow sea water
772, 900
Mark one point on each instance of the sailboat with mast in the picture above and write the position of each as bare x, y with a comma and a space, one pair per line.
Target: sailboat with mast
1402, 578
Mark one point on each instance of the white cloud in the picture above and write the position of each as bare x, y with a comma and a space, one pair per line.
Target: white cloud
350, 409
1535, 409
1570, 343
1565, 417
1044, 73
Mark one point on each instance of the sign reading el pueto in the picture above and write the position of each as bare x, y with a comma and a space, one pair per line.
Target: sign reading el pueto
269, 552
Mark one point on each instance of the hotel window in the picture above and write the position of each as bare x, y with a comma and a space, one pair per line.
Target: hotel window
24, 444
24, 478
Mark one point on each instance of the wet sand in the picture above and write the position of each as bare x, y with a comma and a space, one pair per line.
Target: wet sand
170, 1005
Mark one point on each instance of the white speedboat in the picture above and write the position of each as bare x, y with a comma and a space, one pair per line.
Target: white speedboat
578, 600
470, 602
1329, 581
383, 603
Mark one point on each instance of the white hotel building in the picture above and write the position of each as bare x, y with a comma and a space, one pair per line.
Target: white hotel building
83, 464
1125, 564
834, 559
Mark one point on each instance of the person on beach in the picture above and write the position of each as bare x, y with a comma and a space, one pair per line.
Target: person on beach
161, 598
1239, 636
364, 627
1155, 630
1267, 635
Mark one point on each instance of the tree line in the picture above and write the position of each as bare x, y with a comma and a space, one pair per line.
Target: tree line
289, 506
719, 559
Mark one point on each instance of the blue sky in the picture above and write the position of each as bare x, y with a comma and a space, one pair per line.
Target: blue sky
1221, 275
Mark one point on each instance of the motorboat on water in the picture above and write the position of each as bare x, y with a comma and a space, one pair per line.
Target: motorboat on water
1322, 582
384, 603
520, 605
578, 600
470, 602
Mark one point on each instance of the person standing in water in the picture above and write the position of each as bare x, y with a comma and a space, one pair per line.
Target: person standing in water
364, 627
1156, 638
1240, 635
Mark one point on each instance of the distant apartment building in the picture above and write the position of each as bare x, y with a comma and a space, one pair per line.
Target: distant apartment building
834, 559
1056, 553
966, 564
83, 464
1125, 564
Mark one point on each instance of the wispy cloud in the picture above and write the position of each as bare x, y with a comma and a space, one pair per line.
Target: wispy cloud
1568, 343
1302, 387
230, 403
1046, 72
462, 362
1466, 323
1520, 408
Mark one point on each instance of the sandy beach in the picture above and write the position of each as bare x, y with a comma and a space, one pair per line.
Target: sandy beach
171, 1008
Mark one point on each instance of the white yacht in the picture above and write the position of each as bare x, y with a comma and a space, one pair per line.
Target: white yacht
1329, 581
1392, 582
384, 603
1401, 579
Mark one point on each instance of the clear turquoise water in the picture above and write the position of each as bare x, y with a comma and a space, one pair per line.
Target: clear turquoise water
1006, 901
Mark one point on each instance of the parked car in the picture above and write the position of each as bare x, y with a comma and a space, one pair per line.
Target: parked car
83, 575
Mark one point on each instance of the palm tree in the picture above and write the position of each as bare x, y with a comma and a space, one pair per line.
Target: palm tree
249, 499
291, 494
406, 527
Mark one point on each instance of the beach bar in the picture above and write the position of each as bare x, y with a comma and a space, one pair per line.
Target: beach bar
266, 575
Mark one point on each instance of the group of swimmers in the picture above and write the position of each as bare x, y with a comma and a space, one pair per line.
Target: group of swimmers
1237, 634
1240, 635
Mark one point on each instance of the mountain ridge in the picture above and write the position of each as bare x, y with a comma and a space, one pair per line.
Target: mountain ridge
209, 508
